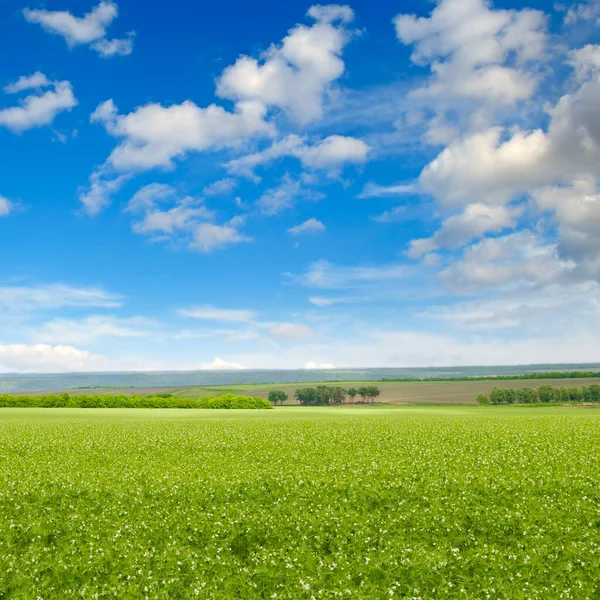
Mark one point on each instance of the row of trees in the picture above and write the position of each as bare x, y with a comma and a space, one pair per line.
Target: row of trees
325, 395
551, 375
544, 393
121, 401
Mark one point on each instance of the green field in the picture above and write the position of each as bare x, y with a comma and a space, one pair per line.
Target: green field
368, 503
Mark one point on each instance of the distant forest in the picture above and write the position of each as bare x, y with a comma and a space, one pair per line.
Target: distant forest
552, 375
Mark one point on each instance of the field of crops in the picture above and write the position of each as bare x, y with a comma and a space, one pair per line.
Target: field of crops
366, 503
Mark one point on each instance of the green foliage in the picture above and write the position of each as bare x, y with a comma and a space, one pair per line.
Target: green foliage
113, 401
401, 504
277, 397
498, 396
352, 392
483, 399
545, 394
552, 375
368, 393
322, 395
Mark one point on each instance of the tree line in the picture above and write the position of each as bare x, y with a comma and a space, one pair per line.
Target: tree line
552, 375
543, 394
227, 401
326, 395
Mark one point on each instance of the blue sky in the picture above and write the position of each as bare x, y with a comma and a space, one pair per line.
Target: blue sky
289, 185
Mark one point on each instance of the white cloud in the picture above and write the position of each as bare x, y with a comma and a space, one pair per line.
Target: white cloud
37, 110
329, 154
53, 296
584, 11
211, 313
147, 197
90, 329
310, 226
289, 332
372, 190
97, 195
562, 305
586, 61
220, 188
108, 48
6, 206
517, 259
475, 221
322, 301
312, 365
154, 135
184, 220
43, 358
325, 275
89, 29
221, 365
576, 209
297, 75
28, 82
284, 196
475, 51
209, 237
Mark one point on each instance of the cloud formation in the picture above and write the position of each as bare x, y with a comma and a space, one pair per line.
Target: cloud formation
88, 30
39, 108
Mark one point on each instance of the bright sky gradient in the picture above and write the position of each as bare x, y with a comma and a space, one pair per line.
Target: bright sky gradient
192, 185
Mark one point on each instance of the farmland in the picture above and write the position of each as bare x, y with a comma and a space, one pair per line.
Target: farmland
348, 502
423, 392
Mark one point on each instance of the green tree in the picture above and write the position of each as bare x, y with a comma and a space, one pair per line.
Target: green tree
511, 396
527, 395
277, 397
546, 393
595, 392
498, 396
483, 399
575, 395
352, 392
306, 396
338, 395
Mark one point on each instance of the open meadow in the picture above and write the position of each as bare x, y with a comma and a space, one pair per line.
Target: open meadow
345, 502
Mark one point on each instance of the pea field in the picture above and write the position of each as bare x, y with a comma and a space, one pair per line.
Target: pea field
300, 503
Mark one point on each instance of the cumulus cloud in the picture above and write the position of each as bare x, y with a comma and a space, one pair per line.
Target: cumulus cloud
89, 30
329, 154
222, 365
517, 259
297, 75
312, 365
37, 109
289, 332
6, 206
154, 135
164, 216
28, 82
311, 226
474, 51
43, 358
475, 221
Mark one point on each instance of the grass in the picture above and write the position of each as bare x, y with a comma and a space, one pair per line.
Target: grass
369, 503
